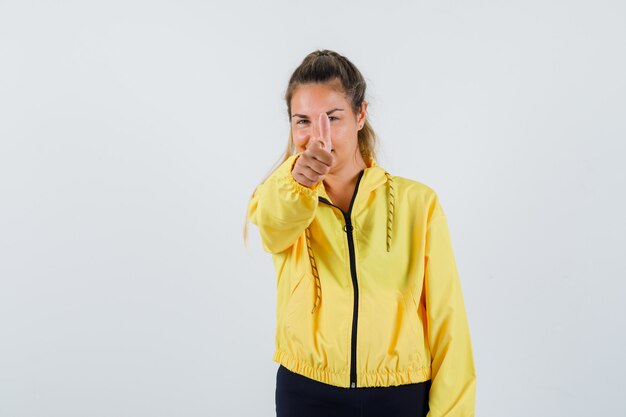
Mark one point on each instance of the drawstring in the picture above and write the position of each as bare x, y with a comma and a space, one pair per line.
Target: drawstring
390, 210
390, 213
318, 283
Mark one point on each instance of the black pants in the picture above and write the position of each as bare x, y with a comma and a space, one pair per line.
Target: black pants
299, 396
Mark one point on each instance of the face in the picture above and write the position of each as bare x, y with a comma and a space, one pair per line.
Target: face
308, 101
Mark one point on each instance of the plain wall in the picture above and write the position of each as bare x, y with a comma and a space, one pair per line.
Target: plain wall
132, 134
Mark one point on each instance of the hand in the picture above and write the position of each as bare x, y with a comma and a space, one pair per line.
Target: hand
315, 162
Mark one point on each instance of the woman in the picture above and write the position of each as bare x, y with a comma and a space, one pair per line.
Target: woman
370, 314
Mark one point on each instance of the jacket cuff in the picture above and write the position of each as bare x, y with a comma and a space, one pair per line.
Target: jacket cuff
282, 175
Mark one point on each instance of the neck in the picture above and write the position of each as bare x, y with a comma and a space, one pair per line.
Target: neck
344, 175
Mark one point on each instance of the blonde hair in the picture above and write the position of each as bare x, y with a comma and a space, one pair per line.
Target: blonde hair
326, 66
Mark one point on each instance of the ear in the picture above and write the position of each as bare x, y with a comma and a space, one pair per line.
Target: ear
362, 115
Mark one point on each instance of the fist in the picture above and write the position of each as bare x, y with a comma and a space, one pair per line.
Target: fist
317, 159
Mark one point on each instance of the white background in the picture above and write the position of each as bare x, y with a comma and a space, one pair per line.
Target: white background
133, 132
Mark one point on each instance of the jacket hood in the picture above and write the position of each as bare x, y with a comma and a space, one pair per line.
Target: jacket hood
372, 177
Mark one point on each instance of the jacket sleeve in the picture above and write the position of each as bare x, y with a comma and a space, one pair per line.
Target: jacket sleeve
453, 379
282, 208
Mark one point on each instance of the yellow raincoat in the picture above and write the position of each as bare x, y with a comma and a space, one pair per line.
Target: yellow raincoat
370, 297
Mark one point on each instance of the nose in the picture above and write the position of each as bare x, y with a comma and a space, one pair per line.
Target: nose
315, 129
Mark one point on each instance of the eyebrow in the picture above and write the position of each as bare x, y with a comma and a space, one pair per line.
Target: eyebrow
304, 116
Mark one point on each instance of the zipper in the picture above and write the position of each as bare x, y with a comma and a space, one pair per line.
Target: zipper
348, 229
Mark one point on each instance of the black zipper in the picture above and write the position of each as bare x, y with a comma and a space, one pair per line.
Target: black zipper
348, 229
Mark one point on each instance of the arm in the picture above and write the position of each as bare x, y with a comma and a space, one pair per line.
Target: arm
453, 389
282, 208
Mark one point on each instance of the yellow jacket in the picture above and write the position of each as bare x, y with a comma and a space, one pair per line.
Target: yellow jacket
370, 297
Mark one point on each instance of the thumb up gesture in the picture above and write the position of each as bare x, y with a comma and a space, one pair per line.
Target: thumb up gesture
315, 162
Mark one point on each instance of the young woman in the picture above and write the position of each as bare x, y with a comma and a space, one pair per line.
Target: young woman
370, 315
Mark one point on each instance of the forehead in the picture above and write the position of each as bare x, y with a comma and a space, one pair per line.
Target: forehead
317, 97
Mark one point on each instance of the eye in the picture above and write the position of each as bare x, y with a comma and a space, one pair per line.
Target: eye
329, 118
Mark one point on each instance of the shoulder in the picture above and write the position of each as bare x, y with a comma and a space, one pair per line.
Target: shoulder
418, 194
413, 188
